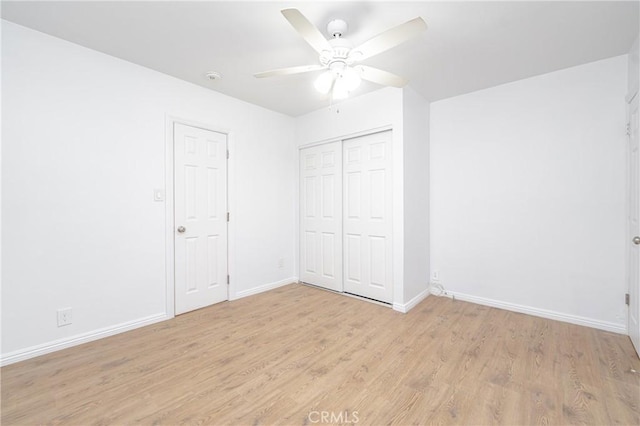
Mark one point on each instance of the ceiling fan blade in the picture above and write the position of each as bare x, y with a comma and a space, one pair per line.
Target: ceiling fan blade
390, 38
307, 30
379, 76
287, 71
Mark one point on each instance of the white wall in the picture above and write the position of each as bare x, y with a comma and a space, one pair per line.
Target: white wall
84, 147
633, 74
527, 186
415, 111
360, 114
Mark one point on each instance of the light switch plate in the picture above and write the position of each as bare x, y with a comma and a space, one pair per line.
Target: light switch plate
158, 195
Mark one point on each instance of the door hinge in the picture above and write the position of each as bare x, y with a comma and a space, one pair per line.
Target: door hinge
227, 154
228, 215
626, 299
228, 280
628, 129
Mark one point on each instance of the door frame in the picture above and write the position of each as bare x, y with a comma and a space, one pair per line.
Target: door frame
170, 120
629, 100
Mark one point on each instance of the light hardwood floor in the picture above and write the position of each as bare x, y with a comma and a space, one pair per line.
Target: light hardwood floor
299, 355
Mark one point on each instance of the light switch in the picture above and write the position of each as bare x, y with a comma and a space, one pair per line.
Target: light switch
158, 195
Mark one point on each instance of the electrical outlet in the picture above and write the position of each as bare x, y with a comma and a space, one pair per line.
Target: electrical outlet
435, 275
281, 263
65, 317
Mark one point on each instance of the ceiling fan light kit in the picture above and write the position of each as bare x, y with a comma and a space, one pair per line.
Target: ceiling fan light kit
339, 80
324, 82
337, 55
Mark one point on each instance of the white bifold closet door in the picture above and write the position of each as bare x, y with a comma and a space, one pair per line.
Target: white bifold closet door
367, 224
345, 216
321, 215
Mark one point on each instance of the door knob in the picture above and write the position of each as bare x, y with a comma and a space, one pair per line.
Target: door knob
181, 230
636, 240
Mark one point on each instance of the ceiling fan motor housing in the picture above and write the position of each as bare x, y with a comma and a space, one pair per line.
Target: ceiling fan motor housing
339, 52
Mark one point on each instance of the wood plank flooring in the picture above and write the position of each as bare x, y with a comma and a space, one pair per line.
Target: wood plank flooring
302, 356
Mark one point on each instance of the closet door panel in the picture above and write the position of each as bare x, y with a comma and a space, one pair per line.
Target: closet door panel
321, 216
367, 216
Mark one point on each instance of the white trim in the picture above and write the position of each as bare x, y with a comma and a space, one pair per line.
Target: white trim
406, 307
296, 214
231, 227
168, 217
627, 204
543, 313
170, 120
347, 136
264, 287
67, 342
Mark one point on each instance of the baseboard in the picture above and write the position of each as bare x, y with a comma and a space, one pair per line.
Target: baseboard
56, 345
264, 287
406, 307
543, 313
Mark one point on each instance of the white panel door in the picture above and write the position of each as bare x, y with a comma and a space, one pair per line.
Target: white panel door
634, 227
367, 216
321, 216
200, 200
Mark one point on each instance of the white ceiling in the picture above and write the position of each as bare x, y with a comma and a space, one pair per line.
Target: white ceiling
468, 45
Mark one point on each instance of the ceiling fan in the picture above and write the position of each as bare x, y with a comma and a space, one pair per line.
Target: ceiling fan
338, 57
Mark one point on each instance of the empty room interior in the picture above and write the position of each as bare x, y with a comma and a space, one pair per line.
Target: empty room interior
310, 212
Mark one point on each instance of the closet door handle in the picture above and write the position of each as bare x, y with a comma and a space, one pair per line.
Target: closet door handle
636, 240
181, 229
